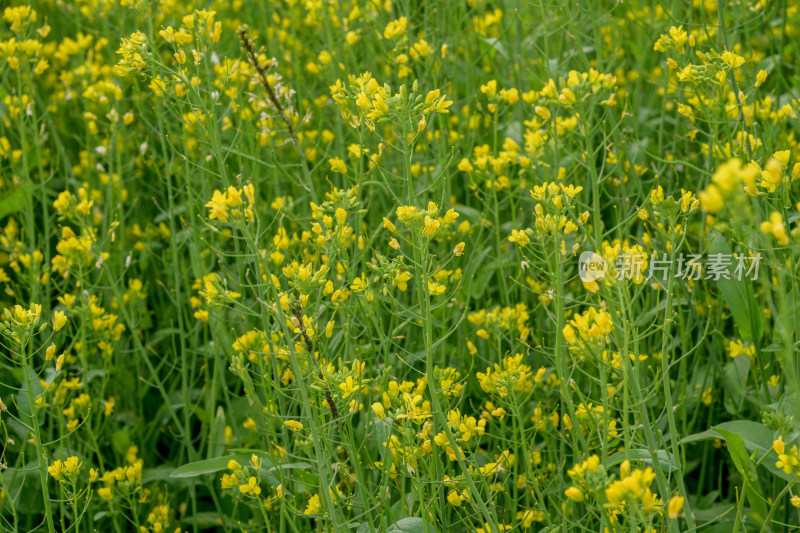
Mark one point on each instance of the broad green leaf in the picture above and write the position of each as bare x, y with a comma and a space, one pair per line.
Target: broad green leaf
738, 294
380, 430
121, 441
497, 45
738, 451
12, 202
757, 440
708, 434
157, 473
480, 281
412, 525
208, 520
19, 483
755, 434
21, 399
746, 467
216, 444
209, 466
734, 380
663, 457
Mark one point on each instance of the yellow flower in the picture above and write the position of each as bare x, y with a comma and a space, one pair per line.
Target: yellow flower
71, 466
435, 288
294, 425
401, 280
388, 225
406, 213
340, 216
510, 96
707, 397
567, 97
674, 507
711, 201
776, 227
455, 498
313, 506
109, 406
731, 59
435, 103
519, 237
59, 320
787, 462
761, 77
431, 226
251, 487
55, 470
395, 28
218, 206
450, 216
337, 165
779, 446
489, 88
379, 411
574, 493
348, 387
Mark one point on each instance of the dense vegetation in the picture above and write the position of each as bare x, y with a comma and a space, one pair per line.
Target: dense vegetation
399, 266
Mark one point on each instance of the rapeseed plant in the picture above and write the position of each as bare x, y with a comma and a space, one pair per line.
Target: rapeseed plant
378, 266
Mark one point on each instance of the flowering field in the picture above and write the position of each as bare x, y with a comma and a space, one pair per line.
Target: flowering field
409, 266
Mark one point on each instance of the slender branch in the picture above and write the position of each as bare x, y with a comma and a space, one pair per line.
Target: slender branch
298, 313
252, 58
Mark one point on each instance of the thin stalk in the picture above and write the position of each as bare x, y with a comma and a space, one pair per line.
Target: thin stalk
41, 458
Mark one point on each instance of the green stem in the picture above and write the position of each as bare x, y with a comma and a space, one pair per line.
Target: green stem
40, 453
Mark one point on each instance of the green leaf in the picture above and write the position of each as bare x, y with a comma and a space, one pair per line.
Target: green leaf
21, 400
738, 452
216, 444
121, 441
734, 380
243, 457
663, 457
747, 468
209, 466
738, 294
756, 436
708, 434
207, 520
379, 433
157, 473
412, 525
497, 45
481, 279
757, 440
13, 201
21, 485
